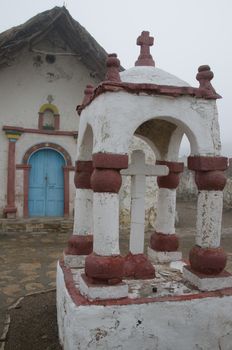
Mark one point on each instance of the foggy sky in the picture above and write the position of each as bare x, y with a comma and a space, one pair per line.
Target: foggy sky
187, 35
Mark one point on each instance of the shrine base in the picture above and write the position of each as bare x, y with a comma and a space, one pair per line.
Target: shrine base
160, 314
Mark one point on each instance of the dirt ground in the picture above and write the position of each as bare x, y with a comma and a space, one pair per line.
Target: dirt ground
30, 264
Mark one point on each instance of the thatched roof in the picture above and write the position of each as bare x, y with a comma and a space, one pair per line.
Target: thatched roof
77, 38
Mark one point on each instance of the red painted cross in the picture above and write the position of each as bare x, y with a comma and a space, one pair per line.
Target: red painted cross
145, 58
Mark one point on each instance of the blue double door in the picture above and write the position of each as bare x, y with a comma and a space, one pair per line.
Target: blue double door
46, 184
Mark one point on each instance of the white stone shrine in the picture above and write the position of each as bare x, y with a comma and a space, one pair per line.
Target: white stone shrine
109, 301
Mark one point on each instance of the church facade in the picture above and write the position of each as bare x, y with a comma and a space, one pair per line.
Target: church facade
45, 65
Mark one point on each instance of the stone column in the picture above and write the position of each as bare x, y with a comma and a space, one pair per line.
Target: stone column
105, 265
164, 242
10, 209
207, 256
80, 243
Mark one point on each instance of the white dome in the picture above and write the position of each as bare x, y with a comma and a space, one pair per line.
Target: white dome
150, 75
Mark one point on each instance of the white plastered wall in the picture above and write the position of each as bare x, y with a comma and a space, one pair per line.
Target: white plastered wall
25, 88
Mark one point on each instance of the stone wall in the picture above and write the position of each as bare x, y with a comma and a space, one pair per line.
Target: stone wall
151, 189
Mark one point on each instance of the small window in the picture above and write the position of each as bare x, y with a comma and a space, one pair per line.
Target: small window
50, 59
49, 117
48, 120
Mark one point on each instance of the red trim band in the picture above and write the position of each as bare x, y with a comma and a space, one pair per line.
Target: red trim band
162, 242
201, 163
110, 161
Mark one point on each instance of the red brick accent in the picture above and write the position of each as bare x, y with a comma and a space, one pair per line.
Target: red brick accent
209, 174
174, 167
105, 269
83, 172
200, 163
106, 176
138, 266
106, 180
204, 76
110, 161
88, 93
171, 180
210, 180
80, 245
145, 58
208, 261
113, 65
162, 242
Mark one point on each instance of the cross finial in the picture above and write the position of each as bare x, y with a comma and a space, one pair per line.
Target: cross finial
145, 58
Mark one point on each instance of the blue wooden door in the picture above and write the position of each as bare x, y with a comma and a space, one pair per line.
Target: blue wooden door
46, 184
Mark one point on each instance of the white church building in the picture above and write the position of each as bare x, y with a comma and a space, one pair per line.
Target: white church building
45, 65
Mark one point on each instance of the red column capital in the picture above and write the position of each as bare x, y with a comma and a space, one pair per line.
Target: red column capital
170, 181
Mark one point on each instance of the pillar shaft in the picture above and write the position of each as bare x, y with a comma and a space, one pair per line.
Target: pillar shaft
81, 242
164, 238
207, 256
11, 175
166, 209
209, 217
105, 264
83, 214
10, 209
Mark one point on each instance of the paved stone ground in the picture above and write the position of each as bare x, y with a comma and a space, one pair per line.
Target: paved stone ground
28, 260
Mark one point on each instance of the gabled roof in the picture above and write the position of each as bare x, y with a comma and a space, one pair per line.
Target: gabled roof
77, 38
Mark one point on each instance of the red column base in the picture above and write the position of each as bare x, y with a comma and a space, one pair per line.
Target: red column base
104, 269
80, 245
209, 261
9, 212
164, 243
138, 266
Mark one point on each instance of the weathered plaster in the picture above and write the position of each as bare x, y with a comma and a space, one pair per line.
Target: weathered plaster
83, 213
166, 209
108, 112
155, 325
106, 223
209, 217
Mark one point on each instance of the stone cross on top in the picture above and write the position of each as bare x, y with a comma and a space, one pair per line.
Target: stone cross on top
138, 170
145, 58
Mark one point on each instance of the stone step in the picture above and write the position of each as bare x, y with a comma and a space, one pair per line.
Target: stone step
36, 225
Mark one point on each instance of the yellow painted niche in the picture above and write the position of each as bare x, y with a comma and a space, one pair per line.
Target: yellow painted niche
50, 106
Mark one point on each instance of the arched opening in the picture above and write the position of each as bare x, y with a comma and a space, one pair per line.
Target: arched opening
166, 134
46, 183
85, 144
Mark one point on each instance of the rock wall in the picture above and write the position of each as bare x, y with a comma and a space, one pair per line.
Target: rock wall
151, 189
